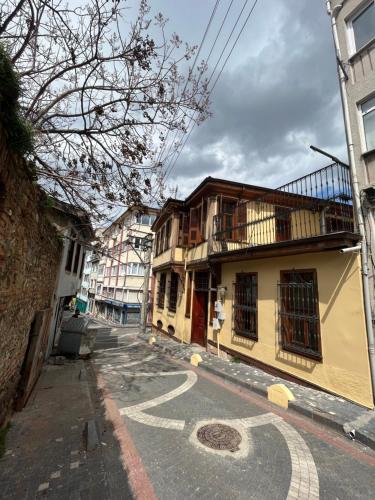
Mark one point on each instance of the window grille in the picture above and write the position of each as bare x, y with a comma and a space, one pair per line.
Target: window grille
299, 313
202, 281
161, 292
173, 289
245, 305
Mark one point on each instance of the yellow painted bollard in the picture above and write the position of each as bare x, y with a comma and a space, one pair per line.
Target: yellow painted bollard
280, 395
151, 340
195, 359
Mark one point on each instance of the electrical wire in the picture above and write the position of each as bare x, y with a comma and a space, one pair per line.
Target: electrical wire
173, 162
187, 79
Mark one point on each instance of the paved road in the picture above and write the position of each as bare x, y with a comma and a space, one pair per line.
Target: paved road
185, 434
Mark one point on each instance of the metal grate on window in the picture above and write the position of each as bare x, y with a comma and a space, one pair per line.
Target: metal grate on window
161, 291
299, 313
173, 289
245, 305
202, 281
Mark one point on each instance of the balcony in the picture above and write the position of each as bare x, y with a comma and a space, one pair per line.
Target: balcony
171, 255
316, 205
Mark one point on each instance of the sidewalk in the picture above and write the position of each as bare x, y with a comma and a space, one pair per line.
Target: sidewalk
330, 410
47, 454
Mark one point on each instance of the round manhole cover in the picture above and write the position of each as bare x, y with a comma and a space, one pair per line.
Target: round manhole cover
219, 437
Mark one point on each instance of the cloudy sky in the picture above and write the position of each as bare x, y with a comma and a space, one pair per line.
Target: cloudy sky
277, 95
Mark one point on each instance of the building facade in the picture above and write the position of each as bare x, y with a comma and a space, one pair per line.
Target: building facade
116, 276
268, 276
353, 23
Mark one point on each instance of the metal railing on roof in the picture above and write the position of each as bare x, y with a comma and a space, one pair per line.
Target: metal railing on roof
316, 204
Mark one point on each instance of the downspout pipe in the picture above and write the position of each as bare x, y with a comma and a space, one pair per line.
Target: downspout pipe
356, 195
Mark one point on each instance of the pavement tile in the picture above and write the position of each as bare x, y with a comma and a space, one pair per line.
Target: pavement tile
328, 409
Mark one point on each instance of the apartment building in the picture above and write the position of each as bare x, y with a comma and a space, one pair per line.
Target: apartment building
353, 24
260, 274
118, 284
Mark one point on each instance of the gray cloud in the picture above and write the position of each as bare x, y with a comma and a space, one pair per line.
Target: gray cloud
278, 95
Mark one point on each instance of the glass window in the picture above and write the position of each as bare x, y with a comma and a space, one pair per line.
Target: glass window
368, 114
114, 270
173, 292
161, 290
245, 305
299, 313
364, 26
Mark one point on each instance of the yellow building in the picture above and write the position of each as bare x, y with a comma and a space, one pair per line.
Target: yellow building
261, 272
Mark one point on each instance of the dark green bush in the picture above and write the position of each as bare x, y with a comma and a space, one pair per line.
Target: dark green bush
19, 131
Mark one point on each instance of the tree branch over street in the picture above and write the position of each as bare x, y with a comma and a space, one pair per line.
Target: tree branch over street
101, 88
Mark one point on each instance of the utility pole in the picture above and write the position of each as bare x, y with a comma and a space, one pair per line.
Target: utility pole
147, 264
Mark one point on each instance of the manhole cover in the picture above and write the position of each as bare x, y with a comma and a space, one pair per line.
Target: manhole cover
219, 437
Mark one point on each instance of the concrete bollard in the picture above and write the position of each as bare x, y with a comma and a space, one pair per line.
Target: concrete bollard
195, 359
280, 395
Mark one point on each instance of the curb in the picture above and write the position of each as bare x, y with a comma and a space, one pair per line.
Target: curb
314, 414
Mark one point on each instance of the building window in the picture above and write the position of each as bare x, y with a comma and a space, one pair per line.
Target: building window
114, 271
161, 292
82, 264
362, 27
69, 258
245, 305
368, 117
108, 271
299, 313
98, 289
173, 292
282, 224
76, 258
188, 294
101, 270
136, 269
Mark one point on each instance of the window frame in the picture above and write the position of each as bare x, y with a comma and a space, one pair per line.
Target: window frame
173, 287
288, 344
365, 147
352, 46
189, 286
242, 308
161, 290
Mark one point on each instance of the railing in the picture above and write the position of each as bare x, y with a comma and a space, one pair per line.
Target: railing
313, 205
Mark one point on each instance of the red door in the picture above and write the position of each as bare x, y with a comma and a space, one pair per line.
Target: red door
199, 318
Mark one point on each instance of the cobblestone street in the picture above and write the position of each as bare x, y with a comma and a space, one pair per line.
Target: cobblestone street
187, 433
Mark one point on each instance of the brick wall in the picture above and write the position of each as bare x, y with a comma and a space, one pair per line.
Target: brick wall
29, 259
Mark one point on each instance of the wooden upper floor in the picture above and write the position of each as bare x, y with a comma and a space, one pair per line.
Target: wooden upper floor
221, 217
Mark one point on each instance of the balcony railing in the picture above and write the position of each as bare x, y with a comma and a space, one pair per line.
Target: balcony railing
313, 205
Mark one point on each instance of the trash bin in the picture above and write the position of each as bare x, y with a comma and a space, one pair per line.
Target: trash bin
72, 331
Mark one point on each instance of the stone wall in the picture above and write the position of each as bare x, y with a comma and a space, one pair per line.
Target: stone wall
29, 260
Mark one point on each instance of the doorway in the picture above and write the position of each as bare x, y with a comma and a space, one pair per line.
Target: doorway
200, 309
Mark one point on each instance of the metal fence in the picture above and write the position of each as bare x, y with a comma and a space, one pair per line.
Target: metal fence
313, 205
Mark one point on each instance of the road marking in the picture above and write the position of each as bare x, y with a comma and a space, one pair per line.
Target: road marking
127, 365
304, 483
135, 412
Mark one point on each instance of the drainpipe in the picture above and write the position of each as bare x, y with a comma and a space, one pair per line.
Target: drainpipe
356, 193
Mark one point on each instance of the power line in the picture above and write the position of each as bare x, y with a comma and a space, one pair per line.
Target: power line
216, 80
187, 79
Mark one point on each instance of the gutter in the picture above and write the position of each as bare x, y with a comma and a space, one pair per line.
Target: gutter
333, 13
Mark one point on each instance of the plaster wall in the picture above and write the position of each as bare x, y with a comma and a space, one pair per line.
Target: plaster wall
344, 369
180, 323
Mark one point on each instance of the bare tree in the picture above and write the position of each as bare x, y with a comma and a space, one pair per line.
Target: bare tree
100, 102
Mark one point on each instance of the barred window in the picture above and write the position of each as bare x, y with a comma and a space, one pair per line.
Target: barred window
173, 289
161, 293
245, 305
299, 313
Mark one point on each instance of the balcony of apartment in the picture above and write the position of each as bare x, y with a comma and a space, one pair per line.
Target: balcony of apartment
312, 213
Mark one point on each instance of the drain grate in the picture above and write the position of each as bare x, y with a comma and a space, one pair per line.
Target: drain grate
219, 437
